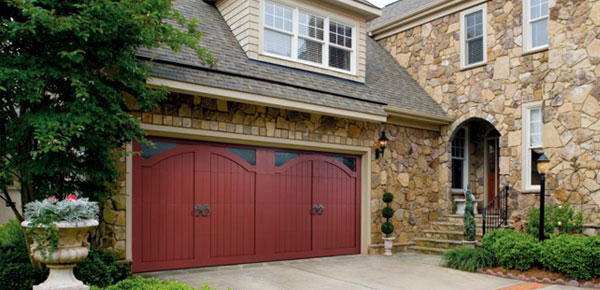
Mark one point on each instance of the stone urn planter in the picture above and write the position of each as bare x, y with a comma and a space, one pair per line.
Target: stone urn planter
388, 244
72, 248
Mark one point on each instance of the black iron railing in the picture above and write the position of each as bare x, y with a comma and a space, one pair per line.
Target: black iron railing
495, 213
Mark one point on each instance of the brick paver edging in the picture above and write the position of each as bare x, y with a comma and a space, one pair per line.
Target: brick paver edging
536, 280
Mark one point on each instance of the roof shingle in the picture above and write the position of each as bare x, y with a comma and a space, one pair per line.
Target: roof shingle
385, 83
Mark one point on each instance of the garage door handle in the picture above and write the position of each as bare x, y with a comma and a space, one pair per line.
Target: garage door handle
200, 210
315, 209
320, 209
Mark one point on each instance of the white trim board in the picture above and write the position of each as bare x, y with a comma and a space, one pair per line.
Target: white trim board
225, 94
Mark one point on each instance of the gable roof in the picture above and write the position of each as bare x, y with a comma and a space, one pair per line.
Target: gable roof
386, 83
366, 2
399, 10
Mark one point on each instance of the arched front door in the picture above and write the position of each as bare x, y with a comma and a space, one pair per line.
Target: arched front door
200, 204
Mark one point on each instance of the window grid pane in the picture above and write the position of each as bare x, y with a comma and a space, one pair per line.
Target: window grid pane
535, 128
310, 25
539, 33
339, 58
340, 34
278, 16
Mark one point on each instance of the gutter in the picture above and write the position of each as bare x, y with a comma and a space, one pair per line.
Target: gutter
413, 119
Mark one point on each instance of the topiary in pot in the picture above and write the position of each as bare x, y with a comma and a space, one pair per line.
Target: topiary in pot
387, 227
469, 217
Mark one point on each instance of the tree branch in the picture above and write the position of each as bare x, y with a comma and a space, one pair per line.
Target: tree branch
12, 204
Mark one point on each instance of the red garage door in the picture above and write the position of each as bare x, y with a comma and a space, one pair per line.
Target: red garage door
201, 204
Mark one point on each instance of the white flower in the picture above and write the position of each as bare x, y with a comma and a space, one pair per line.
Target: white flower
559, 223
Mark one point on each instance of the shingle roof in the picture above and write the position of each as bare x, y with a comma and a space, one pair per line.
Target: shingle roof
399, 9
386, 82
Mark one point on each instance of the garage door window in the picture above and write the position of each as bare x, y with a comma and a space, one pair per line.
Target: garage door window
247, 154
350, 162
158, 147
283, 157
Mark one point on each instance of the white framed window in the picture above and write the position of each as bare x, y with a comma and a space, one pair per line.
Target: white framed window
532, 145
473, 36
535, 24
460, 160
296, 34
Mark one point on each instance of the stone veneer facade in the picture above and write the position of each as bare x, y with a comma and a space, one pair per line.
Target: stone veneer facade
566, 78
409, 168
416, 165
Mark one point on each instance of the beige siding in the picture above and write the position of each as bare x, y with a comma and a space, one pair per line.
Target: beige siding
244, 19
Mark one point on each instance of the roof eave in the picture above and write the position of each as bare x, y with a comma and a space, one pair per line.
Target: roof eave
427, 10
369, 11
416, 119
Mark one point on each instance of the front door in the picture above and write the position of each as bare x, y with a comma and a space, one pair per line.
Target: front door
492, 172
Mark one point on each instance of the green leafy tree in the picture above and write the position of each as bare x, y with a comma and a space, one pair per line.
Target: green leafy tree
65, 67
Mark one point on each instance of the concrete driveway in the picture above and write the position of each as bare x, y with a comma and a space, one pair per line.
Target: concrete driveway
410, 271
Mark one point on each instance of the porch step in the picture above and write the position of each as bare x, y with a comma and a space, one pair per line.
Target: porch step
448, 234
437, 243
427, 250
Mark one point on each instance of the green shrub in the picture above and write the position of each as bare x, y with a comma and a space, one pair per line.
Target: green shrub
140, 283
101, 269
468, 259
516, 250
594, 246
16, 272
568, 254
490, 238
558, 220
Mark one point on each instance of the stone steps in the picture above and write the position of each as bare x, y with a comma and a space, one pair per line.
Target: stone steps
437, 243
427, 250
447, 234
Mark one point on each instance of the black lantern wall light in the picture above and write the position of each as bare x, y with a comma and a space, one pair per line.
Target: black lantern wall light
382, 143
542, 167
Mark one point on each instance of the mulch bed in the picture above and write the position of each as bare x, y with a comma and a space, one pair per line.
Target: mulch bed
541, 276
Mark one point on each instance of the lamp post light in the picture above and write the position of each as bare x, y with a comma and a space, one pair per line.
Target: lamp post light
542, 167
382, 143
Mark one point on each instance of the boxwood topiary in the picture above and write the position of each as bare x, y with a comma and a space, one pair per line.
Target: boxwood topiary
387, 228
569, 254
516, 251
387, 212
101, 269
388, 197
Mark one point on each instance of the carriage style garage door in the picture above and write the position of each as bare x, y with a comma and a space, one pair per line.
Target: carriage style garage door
201, 204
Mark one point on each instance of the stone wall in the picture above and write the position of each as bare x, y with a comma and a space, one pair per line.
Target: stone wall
409, 168
565, 77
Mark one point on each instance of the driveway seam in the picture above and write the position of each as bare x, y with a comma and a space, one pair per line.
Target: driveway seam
334, 278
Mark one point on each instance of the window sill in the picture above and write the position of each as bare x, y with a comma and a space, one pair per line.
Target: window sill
472, 66
296, 63
535, 50
457, 191
530, 191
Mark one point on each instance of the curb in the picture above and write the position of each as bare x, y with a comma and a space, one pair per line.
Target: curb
522, 277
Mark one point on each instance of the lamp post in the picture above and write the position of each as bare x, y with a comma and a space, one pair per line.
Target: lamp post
382, 143
542, 167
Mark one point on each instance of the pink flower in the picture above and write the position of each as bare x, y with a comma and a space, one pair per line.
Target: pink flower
71, 197
52, 197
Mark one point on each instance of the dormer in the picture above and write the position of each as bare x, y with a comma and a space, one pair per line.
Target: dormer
323, 36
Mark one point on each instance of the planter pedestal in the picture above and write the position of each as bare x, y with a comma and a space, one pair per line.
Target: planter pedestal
72, 248
388, 244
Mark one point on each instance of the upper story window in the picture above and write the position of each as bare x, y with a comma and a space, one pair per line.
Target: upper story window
535, 14
473, 37
299, 35
532, 144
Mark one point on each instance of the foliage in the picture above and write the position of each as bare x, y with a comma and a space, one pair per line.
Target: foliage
388, 197
65, 67
43, 216
515, 250
16, 272
572, 255
387, 228
468, 259
388, 212
593, 244
469, 217
558, 220
139, 283
101, 269
490, 238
